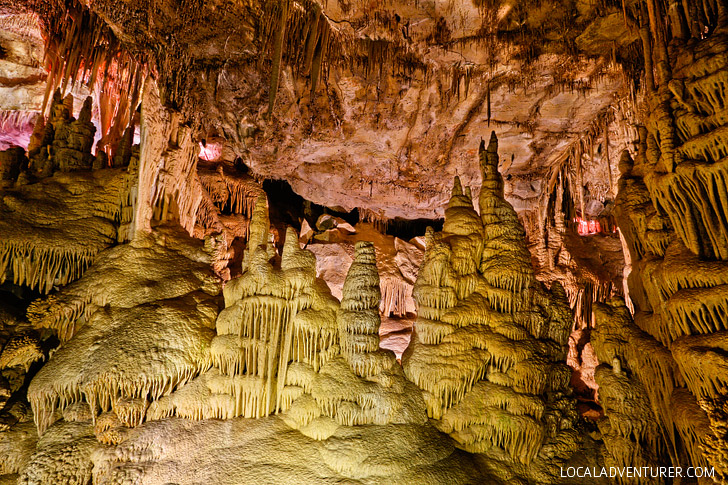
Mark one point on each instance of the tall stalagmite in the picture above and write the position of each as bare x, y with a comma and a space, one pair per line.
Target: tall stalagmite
365, 384
358, 317
488, 348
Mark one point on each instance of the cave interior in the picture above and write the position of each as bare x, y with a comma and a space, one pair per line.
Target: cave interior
363, 241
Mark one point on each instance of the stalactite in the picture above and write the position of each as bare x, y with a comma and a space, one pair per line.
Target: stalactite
224, 192
606, 156
579, 178
280, 34
379, 221
81, 47
174, 193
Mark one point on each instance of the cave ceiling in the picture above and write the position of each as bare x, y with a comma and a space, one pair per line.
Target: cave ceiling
378, 104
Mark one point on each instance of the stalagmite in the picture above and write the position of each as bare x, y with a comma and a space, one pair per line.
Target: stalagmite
364, 385
488, 340
358, 317
274, 316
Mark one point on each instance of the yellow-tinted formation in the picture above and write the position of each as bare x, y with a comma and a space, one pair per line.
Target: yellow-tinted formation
360, 242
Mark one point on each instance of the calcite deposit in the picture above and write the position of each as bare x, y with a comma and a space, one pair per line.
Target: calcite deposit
345, 241
489, 343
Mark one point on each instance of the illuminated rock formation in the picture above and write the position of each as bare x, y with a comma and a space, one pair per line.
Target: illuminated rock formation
671, 211
276, 351
489, 343
174, 272
276, 315
365, 384
161, 322
254, 451
51, 231
142, 339
631, 433
74, 442
227, 201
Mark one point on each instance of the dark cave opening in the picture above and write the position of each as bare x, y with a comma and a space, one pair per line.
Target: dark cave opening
287, 208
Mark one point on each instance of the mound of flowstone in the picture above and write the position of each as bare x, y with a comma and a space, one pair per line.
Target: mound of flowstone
265, 450
151, 335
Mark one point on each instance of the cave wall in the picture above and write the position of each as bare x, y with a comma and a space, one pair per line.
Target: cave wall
671, 211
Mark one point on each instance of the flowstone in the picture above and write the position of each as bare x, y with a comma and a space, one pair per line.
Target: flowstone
56, 213
668, 357
489, 343
143, 336
51, 231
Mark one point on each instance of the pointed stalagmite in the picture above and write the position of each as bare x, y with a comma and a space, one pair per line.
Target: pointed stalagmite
364, 384
489, 342
358, 317
259, 229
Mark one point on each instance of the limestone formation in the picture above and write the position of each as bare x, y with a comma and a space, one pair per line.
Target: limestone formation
670, 213
137, 342
488, 348
51, 231
364, 385
631, 432
358, 317
161, 320
227, 201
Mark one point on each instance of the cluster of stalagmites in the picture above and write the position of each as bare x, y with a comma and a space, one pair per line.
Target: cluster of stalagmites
489, 344
284, 344
62, 143
143, 341
668, 361
55, 213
